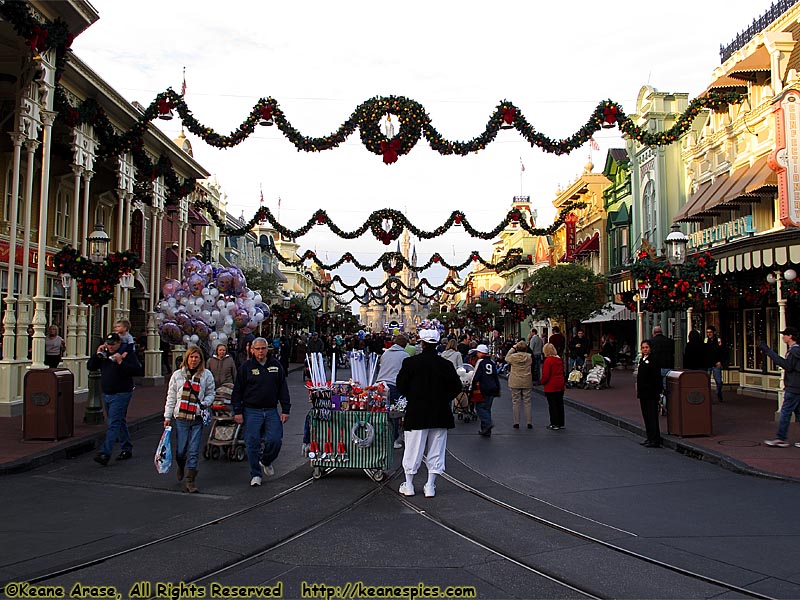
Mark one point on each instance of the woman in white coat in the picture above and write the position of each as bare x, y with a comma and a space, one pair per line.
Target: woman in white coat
190, 391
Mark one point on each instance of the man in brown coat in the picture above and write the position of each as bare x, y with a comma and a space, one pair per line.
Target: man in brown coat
520, 382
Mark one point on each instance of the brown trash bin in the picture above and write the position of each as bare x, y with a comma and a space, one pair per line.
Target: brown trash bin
49, 404
688, 403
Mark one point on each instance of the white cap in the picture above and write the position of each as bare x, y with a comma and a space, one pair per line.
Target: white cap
429, 335
483, 348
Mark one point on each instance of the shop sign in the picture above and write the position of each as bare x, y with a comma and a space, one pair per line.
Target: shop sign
785, 161
738, 228
33, 257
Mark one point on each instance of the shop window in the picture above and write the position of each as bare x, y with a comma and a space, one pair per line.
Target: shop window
754, 331
62, 227
137, 234
773, 338
649, 205
731, 339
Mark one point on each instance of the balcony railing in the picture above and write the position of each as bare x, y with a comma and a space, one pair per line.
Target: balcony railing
760, 24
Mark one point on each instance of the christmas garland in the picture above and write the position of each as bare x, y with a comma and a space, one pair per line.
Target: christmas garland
386, 224
95, 281
392, 282
40, 37
415, 123
512, 258
673, 288
389, 300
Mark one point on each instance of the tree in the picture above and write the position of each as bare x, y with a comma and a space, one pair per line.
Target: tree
565, 292
265, 283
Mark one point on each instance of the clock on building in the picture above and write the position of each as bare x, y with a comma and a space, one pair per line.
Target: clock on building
314, 301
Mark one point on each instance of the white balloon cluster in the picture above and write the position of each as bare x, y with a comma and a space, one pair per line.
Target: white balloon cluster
209, 306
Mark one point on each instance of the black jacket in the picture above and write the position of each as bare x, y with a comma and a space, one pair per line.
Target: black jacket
260, 386
715, 352
429, 383
662, 350
694, 356
116, 378
649, 382
579, 347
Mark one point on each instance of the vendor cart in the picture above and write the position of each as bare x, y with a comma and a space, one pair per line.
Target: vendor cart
354, 439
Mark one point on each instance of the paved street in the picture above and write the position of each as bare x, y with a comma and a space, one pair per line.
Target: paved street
592, 478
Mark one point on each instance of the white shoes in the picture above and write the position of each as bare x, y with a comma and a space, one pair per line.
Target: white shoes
268, 470
407, 490
430, 490
398, 444
255, 481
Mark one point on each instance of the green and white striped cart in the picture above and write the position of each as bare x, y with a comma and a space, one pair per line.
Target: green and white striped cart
351, 440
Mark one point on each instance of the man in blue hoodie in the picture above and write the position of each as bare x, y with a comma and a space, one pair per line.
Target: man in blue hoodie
391, 361
791, 384
485, 381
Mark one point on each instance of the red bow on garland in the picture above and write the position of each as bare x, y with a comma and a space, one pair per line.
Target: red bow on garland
38, 39
390, 151
266, 112
509, 114
164, 106
610, 114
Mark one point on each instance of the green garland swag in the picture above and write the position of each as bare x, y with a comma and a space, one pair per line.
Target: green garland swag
385, 224
391, 282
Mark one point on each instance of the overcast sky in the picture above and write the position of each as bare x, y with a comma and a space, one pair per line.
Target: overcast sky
555, 61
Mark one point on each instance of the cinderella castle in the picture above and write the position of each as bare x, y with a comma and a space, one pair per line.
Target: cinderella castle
377, 313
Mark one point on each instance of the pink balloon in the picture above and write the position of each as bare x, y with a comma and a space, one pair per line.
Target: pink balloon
170, 286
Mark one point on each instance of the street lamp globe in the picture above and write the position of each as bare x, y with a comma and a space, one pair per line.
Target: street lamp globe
98, 242
518, 295
478, 308
676, 245
790, 274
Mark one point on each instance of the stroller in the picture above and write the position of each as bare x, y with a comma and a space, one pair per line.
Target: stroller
576, 376
226, 437
597, 377
463, 409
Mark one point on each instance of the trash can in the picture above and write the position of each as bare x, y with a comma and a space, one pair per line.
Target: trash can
689, 403
49, 404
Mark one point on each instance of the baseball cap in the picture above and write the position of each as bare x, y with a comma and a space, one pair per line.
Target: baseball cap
791, 331
112, 338
472, 351
483, 348
429, 335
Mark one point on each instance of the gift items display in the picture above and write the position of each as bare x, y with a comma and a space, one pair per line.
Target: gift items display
347, 425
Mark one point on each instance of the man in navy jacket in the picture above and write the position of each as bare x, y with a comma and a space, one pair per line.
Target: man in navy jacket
487, 382
260, 385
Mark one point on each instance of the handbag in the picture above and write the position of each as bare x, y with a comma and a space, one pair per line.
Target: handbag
163, 456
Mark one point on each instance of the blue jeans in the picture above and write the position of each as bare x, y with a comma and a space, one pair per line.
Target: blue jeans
536, 368
262, 426
188, 435
117, 430
716, 372
576, 363
484, 410
790, 406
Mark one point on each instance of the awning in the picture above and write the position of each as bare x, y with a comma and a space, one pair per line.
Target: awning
590, 244
736, 192
621, 216
279, 276
611, 312
170, 256
694, 209
727, 83
747, 68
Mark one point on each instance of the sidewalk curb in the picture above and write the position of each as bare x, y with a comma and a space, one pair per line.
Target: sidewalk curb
79, 446
677, 444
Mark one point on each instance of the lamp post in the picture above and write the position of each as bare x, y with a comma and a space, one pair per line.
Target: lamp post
97, 245
676, 243
641, 299
775, 278
518, 298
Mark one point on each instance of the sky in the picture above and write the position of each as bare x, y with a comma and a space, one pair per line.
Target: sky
319, 60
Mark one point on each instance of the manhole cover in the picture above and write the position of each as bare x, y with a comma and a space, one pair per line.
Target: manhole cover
738, 443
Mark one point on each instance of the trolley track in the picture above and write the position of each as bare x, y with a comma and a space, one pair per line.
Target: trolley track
220, 520
429, 512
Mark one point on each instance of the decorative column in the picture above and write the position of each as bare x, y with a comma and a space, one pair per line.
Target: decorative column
40, 300
152, 355
72, 292
24, 301
125, 180
9, 373
82, 349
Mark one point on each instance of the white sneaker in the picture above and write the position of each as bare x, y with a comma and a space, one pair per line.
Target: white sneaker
398, 444
777, 443
407, 490
268, 470
430, 490
255, 481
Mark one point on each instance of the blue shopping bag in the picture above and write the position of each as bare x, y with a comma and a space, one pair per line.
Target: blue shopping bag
163, 457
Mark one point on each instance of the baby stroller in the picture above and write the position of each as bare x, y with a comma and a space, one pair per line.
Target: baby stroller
463, 409
575, 377
226, 437
597, 377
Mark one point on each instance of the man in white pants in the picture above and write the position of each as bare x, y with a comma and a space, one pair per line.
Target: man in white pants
429, 383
